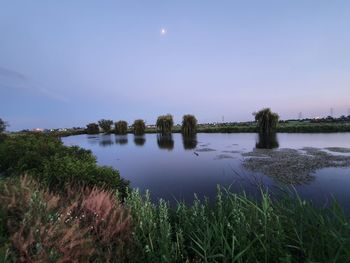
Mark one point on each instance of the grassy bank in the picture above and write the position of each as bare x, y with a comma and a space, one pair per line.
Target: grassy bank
68, 209
92, 225
284, 127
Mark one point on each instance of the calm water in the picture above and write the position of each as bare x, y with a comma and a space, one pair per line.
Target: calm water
175, 169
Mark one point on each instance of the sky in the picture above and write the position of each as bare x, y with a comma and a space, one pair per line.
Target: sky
67, 63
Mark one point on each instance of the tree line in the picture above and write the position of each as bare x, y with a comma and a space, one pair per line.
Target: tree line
266, 122
164, 124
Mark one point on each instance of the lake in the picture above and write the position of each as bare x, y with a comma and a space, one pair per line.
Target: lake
174, 167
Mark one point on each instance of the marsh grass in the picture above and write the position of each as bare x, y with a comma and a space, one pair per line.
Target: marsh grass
236, 228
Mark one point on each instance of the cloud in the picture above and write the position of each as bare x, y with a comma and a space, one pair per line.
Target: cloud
14, 79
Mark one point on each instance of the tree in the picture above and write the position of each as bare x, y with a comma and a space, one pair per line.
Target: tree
121, 127
266, 121
189, 124
105, 125
165, 124
139, 127
92, 128
3, 125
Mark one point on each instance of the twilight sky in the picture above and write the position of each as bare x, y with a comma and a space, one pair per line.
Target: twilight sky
66, 63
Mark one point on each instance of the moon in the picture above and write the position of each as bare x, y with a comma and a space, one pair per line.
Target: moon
163, 31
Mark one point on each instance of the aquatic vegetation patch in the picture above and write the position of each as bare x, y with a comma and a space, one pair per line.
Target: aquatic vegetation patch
231, 151
338, 149
292, 166
205, 150
223, 156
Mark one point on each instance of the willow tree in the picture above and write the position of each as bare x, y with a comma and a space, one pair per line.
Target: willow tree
266, 121
121, 127
165, 124
189, 124
92, 128
106, 125
139, 127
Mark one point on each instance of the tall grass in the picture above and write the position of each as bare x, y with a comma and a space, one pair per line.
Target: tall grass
91, 225
239, 229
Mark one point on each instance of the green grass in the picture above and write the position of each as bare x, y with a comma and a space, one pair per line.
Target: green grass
239, 229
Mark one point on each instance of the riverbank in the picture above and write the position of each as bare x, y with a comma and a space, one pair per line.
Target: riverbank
244, 127
69, 208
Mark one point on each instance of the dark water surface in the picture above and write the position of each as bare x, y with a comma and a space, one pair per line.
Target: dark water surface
175, 168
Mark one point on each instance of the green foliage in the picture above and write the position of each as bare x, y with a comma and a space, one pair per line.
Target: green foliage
106, 125
189, 124
3, 125
139, 127
92, 128
239, 229
55, 165
121, 127
266, 121
165, 124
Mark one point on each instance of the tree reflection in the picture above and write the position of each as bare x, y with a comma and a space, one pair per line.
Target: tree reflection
121, 139
267, 141
139, 140
165, 141
106, 140
189, 141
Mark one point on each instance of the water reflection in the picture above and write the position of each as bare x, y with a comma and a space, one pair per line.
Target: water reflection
106, 140
189, 141
267, 141
139, 140
93, 139
121, 139
165, 141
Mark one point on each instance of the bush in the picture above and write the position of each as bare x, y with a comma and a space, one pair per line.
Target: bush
55, 165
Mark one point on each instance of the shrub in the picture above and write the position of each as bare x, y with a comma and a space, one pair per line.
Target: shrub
55, 165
